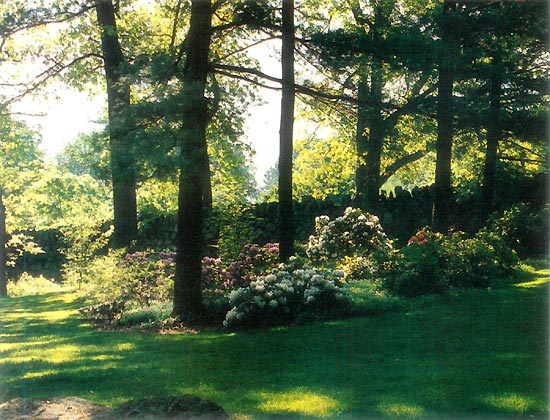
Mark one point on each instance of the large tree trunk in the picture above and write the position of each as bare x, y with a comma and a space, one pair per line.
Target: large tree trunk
3, 242
493, 137
444, 144
191, 213
122, 157
376, 141
286, 209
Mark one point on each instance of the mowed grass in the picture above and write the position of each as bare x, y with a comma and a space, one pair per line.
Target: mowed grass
482, 354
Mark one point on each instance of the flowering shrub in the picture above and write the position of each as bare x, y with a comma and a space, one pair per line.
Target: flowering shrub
285, 296
252, 261
432, 263
415, 270
353, 234
419, 239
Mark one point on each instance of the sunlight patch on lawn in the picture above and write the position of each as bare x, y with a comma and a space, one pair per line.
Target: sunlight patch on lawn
32, 375
535, 283
400, 409
298, 401
514, 403
56, 355
59, 354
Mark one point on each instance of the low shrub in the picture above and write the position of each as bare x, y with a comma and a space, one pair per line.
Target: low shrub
431, 263
287, 296
415, 270
475, 262
28, 284
104, 313
122, 282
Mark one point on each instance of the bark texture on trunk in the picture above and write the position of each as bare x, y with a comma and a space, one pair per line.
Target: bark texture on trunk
376, 141
362, 142
491, 154
3, 251
193, 160
443, 187
120, 125
286, 207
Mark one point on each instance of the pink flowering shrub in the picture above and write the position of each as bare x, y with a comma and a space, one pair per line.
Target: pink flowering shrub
218, 278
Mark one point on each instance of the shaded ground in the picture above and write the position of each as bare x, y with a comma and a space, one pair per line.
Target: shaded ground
74, 408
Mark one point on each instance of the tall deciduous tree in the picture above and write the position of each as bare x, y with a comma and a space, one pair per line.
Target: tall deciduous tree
191, 213
122, 157
286, 209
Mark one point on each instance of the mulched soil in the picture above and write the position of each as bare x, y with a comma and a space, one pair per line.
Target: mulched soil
73, 408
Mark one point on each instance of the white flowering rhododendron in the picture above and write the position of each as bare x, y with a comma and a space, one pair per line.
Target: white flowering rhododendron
352, 234
285, 296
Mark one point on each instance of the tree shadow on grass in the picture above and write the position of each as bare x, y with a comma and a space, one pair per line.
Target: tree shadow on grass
483, 355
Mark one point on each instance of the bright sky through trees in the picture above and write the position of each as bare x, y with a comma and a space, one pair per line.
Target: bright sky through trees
60, 114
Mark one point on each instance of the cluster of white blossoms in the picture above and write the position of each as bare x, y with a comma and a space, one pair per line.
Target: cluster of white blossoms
285, 293
351, 234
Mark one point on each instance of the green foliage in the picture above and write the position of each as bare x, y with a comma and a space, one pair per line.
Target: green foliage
84, 239
122, 281
20, 244
323, 167
470, 262
522, 229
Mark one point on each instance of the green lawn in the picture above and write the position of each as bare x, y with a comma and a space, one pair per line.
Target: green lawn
483, 354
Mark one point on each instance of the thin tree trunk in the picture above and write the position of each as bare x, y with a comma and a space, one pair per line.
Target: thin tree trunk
286, 209
362, 142
191, 212
122, 157
3, 242
444, 144
376, 141
493, 138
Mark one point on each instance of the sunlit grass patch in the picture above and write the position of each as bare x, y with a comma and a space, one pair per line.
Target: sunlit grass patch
535, 283
298, 401
513, 403
400, 409
541, 276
